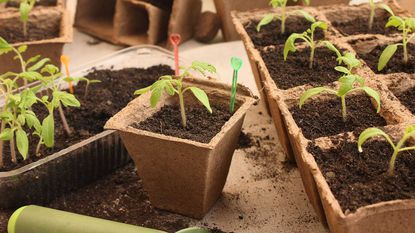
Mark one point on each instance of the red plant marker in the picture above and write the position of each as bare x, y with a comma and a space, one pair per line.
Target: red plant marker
175, 41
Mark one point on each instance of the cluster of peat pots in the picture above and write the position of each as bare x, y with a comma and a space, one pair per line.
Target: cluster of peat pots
58, 129
322, 112
42, 25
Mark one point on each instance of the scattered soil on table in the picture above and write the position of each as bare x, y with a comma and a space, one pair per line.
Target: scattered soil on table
202, 126
120, 197
38, 3
295, 72
271, 34
360, 24
407, 98
245, 140
104, 99
12, 30
360, 179
395, 65
321, 118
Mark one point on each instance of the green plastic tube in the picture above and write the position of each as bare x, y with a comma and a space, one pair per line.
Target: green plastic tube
37, 219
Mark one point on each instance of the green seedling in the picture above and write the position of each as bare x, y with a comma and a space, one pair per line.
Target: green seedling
173, 85
400, 147
348, 59
25, 8
407, 27
282, 4
308, 37
348, 83
17, 118
373, 6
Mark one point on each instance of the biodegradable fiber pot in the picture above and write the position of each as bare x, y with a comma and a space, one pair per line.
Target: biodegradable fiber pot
181, 175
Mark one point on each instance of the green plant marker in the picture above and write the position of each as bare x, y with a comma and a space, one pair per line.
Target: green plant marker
236, 65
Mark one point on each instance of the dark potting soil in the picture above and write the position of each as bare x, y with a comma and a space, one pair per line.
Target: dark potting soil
271, 34
324, 118
360, 179
360, 24
295, 71
162, 4
407, 98
104, 99
202, 126
118, 197
38, 3
395, 65
35, 31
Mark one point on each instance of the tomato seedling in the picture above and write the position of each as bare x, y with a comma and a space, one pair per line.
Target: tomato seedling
347, 58
348, 83
373, 6
400, 147
17, 118
407, 27
308, 37
282, 4
25, 8
174, 85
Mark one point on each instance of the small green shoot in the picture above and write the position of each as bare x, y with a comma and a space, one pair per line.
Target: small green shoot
284, 14
174, 85
407, 27
347, 58
400, 147
373, 6
348, 83
308, 37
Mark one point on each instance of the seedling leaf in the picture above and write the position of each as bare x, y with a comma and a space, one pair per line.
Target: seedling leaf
48, 128
264, 21
374, 94
6, 135
386, 55
307, 16
369, 133
22, 142
310, 93
202, 97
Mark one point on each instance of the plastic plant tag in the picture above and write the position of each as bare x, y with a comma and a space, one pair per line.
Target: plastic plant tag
65, 61
175, 41
236, 65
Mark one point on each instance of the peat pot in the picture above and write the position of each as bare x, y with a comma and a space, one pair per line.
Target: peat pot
181, 175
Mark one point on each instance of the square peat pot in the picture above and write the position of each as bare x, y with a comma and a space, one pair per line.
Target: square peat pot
181, 175
86, 161
382, 217
46, 18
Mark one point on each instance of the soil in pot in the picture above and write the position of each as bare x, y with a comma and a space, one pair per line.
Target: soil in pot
359, 25
117, 197
360, 179
104, 99
12, 29
38, 3
271, 34
395, 64
295, 72
202, 126
322, 118
407, 98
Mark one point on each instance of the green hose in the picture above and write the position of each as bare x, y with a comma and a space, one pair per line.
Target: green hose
37, 219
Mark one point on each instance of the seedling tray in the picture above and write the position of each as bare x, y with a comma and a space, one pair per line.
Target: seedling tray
86, 161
